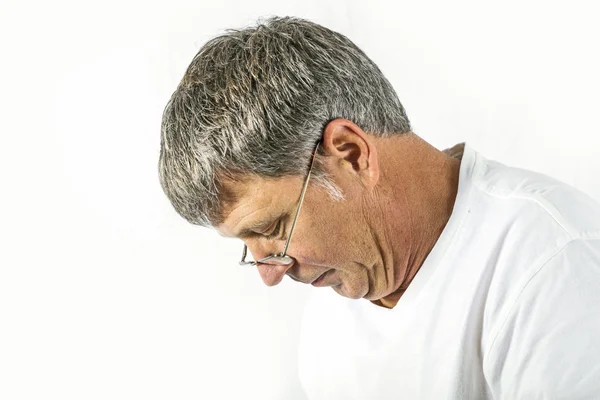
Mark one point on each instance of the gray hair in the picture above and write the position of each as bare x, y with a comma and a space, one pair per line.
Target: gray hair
255, 101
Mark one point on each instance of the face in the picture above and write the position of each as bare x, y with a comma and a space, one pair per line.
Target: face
342, 239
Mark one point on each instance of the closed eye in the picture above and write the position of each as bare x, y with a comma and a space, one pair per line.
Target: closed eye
276, 231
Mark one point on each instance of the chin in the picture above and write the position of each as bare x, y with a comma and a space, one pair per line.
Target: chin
374, 295
351, 293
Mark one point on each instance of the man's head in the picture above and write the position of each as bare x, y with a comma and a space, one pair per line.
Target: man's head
237, 139
254, 102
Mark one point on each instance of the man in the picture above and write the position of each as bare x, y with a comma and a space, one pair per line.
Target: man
482, 281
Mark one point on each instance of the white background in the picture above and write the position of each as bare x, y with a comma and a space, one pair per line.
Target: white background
105, 293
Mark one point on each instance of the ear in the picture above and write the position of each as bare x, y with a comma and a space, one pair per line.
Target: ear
350, 150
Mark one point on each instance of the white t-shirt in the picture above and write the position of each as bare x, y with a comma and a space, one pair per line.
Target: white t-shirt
506, 305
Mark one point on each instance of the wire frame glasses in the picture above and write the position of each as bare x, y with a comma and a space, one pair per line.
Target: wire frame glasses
282, 258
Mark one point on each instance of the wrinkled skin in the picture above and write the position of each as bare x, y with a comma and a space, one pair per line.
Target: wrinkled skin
399, 193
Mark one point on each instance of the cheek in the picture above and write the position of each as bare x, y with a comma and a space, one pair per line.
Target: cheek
329, 233
341, 240
327, 246
317, 248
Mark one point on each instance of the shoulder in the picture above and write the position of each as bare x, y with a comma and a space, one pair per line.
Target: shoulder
548, 343
577, 213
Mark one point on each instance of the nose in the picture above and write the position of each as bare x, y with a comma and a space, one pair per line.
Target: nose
271, 274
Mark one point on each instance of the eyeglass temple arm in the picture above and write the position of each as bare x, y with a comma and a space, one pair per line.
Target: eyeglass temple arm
312, 161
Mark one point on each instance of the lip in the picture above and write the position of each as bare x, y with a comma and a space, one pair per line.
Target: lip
319, 281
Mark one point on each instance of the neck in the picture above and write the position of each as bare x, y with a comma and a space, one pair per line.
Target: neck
421, 185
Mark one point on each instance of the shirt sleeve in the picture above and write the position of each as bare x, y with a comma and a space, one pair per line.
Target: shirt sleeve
549, 345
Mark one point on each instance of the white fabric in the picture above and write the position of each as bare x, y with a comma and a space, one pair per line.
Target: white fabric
506, 305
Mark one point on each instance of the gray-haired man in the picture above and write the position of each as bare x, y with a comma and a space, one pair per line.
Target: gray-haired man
482, 281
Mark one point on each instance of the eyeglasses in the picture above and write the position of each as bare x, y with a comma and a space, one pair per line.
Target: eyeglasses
282, 258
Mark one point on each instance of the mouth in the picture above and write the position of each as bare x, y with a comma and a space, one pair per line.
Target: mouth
319, 281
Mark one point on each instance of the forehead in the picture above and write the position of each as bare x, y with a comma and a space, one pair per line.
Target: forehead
257, 200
